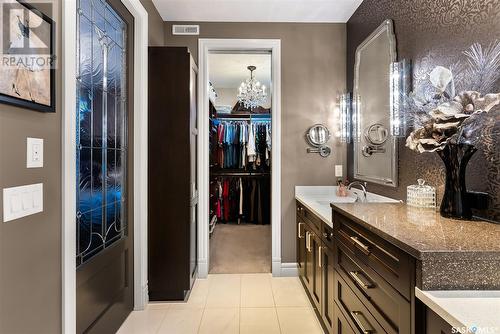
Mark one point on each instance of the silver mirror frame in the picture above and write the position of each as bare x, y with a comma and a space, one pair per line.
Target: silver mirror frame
387, 28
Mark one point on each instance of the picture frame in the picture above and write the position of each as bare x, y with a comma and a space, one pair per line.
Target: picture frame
27, 67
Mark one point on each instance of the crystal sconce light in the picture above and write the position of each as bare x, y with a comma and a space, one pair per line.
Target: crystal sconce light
345, 117
356, 118
399, 87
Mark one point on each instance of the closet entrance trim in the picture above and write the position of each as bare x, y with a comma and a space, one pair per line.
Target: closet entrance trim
210, 45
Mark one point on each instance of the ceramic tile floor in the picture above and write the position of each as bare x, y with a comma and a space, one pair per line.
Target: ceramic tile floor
227, 303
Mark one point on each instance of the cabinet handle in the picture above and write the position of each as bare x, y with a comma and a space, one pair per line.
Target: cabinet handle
355, 276
307, 240
363, 324
309, 235
362, 246
300, 236
319, 257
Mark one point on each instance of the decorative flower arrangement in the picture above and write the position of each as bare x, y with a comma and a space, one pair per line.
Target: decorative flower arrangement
450, 124
443, 117
444, 125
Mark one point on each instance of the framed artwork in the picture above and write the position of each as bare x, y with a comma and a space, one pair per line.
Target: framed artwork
27, 67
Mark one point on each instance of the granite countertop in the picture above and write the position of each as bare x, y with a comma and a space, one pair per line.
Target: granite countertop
423, 231
465, 309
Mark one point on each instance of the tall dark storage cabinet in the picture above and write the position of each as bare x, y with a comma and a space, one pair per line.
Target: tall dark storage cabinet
172, 184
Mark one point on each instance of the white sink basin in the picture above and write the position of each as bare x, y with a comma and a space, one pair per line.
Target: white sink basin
319, 198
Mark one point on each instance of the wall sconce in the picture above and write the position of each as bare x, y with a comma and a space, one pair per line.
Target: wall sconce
356, 118
400, 81
345, 117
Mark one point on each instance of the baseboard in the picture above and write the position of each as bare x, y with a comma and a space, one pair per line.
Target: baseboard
140, 305
289, 269
202, 269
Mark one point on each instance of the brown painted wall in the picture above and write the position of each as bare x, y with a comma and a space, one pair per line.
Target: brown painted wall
155, 24
313, 73
30, 247
431, 33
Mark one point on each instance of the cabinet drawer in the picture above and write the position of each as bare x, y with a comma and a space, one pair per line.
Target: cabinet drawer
309, 217
340, 324
391, 263
384, 302
354, 309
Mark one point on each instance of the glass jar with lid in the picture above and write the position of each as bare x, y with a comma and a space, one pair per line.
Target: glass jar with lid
421, 195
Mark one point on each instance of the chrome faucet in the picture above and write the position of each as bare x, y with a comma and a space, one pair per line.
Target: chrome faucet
361, 185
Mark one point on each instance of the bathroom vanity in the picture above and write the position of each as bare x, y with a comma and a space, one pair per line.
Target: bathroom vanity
379, 266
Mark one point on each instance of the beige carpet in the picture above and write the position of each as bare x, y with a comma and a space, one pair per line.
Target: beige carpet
240, 249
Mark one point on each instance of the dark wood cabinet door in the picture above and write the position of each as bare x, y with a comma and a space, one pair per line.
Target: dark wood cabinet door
301, 246
308, 259
317, 275
435, 324
328, 298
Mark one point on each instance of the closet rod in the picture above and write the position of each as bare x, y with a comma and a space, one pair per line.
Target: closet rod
241, 174
243, 119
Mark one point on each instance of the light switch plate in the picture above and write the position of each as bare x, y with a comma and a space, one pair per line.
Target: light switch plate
22, 201
34, 152
338, 170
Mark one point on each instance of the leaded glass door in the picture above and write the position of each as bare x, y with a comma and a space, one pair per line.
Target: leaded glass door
103, 137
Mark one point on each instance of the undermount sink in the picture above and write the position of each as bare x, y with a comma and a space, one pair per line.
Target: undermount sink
357, 196
337, 200
319, 198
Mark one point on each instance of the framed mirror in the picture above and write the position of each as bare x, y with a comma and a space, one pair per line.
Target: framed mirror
318, 135
375, 150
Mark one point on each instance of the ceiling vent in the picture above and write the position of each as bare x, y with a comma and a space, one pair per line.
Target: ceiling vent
183, 29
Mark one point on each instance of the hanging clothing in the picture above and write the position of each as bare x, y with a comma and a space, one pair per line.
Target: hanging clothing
251, 144
246, 199
268, 144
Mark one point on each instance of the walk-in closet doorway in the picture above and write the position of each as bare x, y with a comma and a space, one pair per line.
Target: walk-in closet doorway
239, 191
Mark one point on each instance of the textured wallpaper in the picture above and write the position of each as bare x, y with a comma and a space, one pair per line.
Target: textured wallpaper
430, 33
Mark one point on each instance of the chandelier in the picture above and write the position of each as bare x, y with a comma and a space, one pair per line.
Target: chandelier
251, 93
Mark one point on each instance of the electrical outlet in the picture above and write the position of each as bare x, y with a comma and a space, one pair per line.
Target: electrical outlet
34, 152
338, 170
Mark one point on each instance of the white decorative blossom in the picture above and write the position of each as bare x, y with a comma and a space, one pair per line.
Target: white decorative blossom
440, 78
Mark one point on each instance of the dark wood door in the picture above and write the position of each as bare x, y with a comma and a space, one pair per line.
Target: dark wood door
328, 298
104, 274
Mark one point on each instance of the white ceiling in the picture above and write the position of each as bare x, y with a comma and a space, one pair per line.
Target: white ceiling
229, 70
257, 10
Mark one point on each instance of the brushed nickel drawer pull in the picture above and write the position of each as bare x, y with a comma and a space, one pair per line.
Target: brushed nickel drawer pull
361, 245
300, 236
319, 257
355, 276
363, 324
308, 241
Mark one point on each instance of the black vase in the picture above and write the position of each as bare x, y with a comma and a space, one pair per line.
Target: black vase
456, 203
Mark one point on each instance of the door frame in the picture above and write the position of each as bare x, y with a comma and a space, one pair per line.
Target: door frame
205, 46
140, 149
